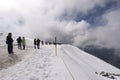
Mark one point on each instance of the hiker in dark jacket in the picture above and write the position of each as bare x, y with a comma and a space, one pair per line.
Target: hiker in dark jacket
9, 42
35, 43
19, 40
38, 43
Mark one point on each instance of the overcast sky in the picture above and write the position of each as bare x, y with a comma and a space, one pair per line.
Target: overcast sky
79, 22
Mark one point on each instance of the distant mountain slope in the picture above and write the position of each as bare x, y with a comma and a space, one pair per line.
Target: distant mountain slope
108, 55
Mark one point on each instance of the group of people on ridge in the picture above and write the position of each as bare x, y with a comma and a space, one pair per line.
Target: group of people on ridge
21, 42
9, 42
37, 43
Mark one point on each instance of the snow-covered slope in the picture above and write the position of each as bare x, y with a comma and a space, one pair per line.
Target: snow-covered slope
85, 65
70, 63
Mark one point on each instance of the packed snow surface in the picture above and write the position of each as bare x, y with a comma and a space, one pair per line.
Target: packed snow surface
70, 63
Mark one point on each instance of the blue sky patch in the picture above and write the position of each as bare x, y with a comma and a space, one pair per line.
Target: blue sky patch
94, 16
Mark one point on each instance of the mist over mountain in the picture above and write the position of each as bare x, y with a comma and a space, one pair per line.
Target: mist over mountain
108, 55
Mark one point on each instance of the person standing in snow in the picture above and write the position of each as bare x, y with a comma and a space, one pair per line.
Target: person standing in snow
42, 43
19, 40
35, 43
23, 42
38, 43
9, 42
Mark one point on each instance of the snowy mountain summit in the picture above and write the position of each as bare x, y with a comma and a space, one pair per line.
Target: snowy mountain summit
70, 63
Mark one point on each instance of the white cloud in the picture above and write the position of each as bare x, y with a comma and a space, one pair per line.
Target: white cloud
40, 19
109, 35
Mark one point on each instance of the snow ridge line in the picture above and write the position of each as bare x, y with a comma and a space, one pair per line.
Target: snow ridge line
68, 69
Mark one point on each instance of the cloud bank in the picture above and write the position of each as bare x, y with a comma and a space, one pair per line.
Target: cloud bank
46, 19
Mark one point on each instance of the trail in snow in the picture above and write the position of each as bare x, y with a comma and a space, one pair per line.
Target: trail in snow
84, 64
42, 64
